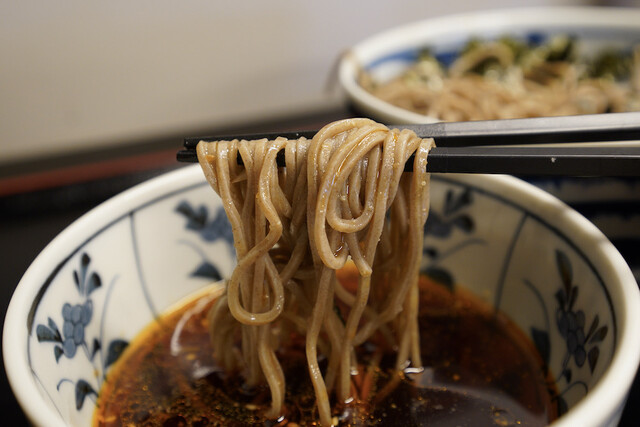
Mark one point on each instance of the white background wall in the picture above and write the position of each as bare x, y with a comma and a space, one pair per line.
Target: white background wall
77, 74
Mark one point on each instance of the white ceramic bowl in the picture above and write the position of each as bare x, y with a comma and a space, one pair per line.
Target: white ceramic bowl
610, 203
389, 53
112, 271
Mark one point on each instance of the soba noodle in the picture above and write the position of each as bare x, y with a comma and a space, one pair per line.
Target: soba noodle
506, 78
342, 195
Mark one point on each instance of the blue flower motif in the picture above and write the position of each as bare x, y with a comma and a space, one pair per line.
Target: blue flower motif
76, 317
440, 225
209, 230
571, 322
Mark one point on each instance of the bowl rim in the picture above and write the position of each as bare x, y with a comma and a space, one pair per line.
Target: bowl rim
609, 392
30, 285
416, 34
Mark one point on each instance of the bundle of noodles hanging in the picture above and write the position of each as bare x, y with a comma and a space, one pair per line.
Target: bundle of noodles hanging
342, 196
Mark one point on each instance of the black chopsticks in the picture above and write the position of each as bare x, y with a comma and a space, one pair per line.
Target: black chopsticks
558, 161
461, 147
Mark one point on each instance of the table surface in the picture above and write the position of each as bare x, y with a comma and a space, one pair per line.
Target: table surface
38, 199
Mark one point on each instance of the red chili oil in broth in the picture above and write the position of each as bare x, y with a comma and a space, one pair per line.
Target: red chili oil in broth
479, 370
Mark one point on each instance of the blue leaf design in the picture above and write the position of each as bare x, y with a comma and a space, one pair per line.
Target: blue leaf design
579, 356
53, 325
116, 347
430, 252
58, 352
208, 271
45, 334
464, 223
564, 267
83, 389
84, 264
593, 355
96, 347
573, 295
448, 202
436, 226
184, 208
85, 260
441, 224
51, 333
455, 203
594, 325
542, 342
210, 231
195, 220
94, 283
441, 276
560, 297
219, 228
562, 406
599, 335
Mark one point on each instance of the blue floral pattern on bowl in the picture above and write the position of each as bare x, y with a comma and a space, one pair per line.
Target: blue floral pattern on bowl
570, 323
209, 231
450, 230
127, 272
75, 319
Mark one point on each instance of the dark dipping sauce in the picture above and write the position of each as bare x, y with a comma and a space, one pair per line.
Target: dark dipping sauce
479, 370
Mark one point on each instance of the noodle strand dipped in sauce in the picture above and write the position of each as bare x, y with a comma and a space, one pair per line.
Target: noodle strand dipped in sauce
327, 282
295, 226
